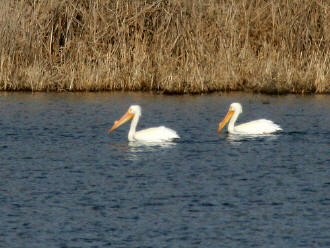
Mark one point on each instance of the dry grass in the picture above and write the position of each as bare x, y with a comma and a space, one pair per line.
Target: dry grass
170, 46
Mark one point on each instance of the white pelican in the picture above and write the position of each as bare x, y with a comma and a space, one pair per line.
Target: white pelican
261, 126
154, 134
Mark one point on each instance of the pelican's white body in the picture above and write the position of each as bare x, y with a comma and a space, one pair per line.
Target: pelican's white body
261, 126
154, 134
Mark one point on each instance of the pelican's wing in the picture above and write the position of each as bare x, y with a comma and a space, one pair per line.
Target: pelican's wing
156, 134
261, 126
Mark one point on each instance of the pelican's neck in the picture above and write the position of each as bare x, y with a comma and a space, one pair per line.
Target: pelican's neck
132, 129
232, 121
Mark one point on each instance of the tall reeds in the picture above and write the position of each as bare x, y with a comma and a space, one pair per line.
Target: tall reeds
171, 46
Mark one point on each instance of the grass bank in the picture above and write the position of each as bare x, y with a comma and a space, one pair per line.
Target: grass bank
170, 46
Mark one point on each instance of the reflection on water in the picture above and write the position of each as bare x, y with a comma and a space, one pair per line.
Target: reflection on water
137, 148
240, 138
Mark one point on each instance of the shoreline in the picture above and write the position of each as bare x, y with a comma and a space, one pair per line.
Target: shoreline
163, 93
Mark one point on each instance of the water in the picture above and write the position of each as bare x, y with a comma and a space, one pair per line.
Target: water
64, 182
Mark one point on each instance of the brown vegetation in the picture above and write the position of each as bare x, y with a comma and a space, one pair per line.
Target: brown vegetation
171, 46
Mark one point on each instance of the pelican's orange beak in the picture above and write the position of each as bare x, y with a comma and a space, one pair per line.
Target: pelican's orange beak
225, 120
127, 116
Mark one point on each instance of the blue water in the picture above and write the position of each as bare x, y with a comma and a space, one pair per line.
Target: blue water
65, 182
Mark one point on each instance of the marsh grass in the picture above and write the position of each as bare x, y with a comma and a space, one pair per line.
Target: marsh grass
167, 46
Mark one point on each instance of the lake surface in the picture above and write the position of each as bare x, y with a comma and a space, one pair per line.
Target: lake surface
65, 182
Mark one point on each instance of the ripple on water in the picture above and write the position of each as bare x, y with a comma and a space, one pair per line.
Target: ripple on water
66, 183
